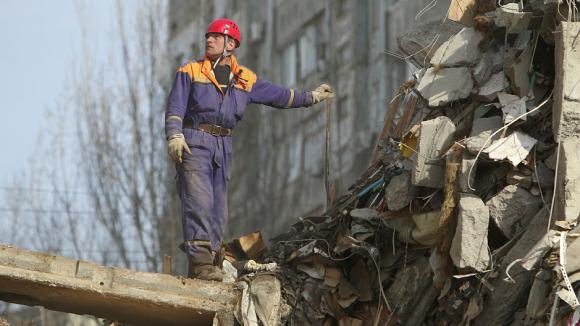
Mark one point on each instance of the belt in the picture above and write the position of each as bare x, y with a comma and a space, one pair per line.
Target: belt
213, 130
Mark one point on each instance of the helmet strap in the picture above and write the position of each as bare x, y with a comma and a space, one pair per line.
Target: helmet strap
225, 53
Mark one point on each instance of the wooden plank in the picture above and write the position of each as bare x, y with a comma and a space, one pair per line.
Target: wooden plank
166, 264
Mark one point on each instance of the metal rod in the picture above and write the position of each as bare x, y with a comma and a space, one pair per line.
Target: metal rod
327, 154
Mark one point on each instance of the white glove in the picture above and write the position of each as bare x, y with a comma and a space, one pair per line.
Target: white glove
175, 146
321, 93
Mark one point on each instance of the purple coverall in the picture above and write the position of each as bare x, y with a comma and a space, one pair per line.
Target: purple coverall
202, 177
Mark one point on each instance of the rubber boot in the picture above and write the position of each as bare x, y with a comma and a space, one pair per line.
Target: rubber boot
205, 272
201, 266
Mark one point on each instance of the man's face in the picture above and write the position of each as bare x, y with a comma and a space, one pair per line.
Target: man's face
214, 45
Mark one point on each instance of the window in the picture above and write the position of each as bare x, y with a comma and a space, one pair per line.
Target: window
289, 65
308, 56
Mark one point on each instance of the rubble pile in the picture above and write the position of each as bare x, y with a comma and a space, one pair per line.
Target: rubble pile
468, 214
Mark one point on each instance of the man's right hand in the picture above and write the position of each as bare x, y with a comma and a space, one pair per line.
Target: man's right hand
175, 146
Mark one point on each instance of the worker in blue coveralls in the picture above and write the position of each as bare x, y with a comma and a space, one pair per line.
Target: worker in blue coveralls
206, 102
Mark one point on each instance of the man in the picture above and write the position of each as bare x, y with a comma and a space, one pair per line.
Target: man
207, 100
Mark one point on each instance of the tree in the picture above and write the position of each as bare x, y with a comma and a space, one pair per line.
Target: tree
111, 195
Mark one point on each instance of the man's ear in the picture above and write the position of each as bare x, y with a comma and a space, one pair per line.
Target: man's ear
231, 44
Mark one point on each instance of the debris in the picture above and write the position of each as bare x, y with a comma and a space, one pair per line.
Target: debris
468, 164
518, 73
511, 205
537, 304
469, 248
332, 276
495, 84
445, 85
502, 303
515, 20
248, 246
246, 313
399, 192
461, 49
491, 63
512, 106
422, 41
514, 148
567, 204
252, 266
266, 296
481, 132
436, 137
463, 11
565, 118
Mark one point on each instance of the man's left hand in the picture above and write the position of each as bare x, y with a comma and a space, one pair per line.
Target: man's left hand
321, 93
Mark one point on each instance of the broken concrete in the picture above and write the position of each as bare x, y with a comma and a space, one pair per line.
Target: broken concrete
518, 73
514, 148
491, 62
467, 165
515, 20
480, 131
460, 50
399, 192
32, 278
506, 299
512, 107
488, 91
422, 41
567, 205
469, 249
520, 179
566, 110
510, 206
435, 139
443, 86
537, 303
414, 278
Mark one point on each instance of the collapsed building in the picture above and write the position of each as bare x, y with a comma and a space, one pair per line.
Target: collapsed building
466, 214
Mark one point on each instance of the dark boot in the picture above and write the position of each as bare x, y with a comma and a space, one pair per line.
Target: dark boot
205, 272
201, 265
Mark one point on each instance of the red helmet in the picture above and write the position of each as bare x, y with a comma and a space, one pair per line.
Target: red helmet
227, 27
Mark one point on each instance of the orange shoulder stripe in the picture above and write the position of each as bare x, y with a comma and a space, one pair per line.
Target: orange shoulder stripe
245, 78
193, 69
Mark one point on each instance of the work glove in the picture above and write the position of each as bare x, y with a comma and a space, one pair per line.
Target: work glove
175, 146
321, 93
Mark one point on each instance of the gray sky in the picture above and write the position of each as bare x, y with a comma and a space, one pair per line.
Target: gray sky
40, 40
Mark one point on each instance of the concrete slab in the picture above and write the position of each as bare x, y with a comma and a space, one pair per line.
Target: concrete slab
491, 62
512, 205
507, 297
422, 41
137, 298
461, 49
469, 247
566, 110
443, 86
399, 192
435, 139
480, 131
567, 205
